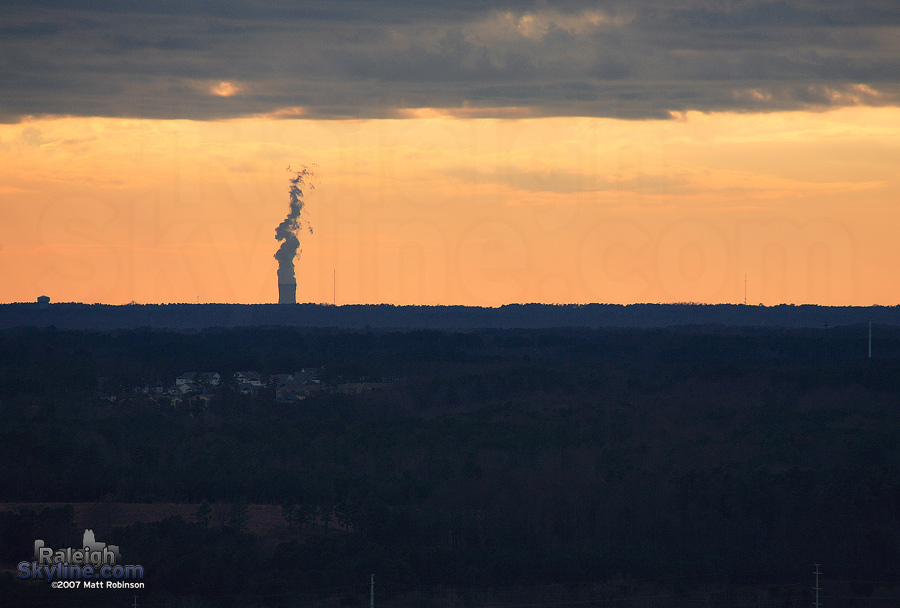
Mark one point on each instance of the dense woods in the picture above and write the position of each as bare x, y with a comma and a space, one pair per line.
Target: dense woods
74, 315
693, 466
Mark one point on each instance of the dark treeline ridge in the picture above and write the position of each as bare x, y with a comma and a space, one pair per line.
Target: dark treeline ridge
386, 316
666, 467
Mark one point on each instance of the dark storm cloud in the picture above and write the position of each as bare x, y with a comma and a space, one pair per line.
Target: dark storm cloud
644, 58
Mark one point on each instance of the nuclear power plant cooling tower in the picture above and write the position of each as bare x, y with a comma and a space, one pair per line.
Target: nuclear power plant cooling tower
287, 293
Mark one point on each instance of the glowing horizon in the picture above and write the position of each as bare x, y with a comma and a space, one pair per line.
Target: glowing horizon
445, 210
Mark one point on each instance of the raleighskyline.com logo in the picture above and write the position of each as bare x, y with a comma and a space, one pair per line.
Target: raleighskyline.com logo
95, 566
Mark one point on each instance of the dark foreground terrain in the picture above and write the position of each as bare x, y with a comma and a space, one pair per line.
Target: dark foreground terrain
694, 466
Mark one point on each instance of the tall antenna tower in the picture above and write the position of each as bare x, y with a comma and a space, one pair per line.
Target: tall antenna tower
817, 588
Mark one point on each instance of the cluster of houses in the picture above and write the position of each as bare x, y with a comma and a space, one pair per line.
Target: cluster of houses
288, 388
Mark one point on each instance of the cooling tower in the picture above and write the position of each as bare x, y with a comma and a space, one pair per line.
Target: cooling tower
287, 293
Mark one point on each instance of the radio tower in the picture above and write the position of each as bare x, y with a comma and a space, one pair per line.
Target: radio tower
817, 588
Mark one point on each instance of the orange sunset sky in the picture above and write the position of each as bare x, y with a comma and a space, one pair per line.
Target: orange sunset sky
518, 152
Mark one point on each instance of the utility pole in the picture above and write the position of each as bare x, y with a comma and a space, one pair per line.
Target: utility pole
372, 592
817, 588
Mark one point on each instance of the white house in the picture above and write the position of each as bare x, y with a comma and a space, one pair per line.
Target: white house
210, 378
251, 378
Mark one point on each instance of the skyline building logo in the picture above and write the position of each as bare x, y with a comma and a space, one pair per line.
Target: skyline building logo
94, 565
92, 552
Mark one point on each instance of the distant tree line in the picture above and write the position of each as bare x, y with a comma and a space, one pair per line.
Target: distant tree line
104, 317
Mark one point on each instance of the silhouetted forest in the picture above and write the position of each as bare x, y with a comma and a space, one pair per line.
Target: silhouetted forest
386, 316
700, 465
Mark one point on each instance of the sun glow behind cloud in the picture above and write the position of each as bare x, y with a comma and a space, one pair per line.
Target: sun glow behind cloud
457, 210
225, 89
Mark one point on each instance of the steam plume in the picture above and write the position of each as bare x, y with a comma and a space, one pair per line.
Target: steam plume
287, 232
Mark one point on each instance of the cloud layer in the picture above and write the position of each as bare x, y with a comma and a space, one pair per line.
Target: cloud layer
378, 58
